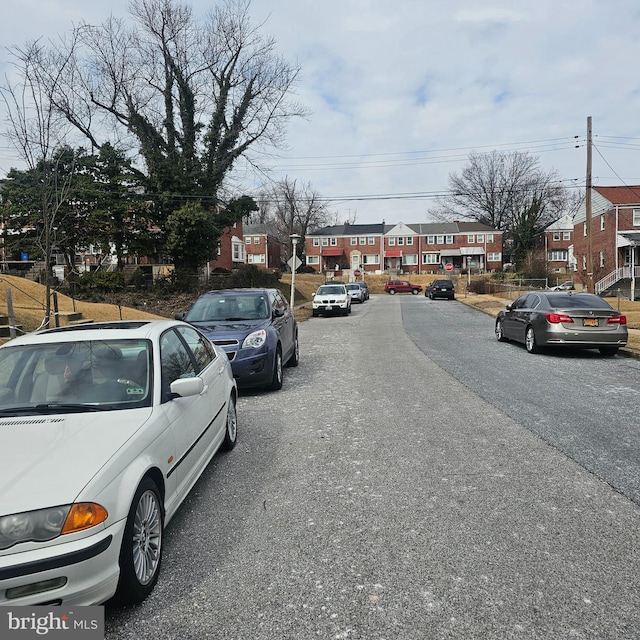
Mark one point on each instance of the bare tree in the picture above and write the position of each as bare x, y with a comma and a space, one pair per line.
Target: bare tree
37, 133
508, 192
494, 188
193, 96
295, 209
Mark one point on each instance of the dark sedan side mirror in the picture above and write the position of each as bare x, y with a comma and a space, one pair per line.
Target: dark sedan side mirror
508, 307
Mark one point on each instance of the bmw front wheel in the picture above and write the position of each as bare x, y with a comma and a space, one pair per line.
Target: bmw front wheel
141, 551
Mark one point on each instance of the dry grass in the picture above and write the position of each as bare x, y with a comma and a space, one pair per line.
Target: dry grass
29, 303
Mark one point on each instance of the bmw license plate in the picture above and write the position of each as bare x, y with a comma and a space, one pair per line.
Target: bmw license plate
590, 322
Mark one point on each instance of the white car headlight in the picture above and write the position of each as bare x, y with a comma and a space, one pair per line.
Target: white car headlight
255, 340
46, 524
37, 526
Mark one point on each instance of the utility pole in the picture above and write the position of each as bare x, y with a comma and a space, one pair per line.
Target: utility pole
587, 202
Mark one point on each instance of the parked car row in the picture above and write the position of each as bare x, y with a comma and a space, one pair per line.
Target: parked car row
335, 298
105, 429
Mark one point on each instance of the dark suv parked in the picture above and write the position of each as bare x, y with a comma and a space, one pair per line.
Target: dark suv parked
440, 289
255, 327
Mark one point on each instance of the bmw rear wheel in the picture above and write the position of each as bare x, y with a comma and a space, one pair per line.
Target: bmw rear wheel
231, 428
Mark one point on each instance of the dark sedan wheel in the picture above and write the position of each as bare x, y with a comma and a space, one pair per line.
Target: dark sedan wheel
276, 380
530, 341
500, 332
141, 552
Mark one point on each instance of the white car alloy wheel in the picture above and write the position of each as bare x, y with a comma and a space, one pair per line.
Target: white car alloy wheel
141, 553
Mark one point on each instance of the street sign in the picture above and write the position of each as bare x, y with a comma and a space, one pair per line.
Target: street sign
448, 266
298, 263
357, 273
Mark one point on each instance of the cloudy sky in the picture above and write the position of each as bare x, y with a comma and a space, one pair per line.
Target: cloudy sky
401, 92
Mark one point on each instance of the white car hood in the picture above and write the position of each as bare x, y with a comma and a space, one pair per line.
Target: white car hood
46, 460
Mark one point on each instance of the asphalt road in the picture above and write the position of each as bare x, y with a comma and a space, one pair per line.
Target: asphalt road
407, 484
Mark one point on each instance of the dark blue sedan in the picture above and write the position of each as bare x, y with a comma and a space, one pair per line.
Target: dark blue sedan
255, 327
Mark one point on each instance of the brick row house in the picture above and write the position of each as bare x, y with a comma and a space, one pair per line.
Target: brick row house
404, 248
615, 239
263, 248
559, 246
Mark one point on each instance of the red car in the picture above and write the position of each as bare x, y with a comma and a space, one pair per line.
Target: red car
402, 286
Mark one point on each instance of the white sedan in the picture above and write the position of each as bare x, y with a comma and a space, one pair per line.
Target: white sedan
104, 429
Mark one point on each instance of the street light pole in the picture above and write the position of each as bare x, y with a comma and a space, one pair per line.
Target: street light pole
294, 241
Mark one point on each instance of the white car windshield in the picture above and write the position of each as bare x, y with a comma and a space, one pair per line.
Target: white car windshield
83, 375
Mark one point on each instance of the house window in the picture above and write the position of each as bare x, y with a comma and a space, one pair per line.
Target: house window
430, 239
584, 262
371, 240
556, 235
584, 229
471, 238
439, 239
354, 241
325, 242
410, 240
256, 258
480, 238
371, 259
602, 258
489, 237
392, 242
566, 235
316, 242
334, 242
430, 258
410, 259
256, 239
602, 222
237, 251
558, 255
363, 240
448, 239
400, 241
247, 239
636, 217
313, 259
494, 257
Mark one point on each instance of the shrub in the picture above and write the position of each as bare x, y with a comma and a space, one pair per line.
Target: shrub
91, 282
482, 285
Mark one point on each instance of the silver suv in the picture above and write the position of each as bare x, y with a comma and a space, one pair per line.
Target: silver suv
331, 298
